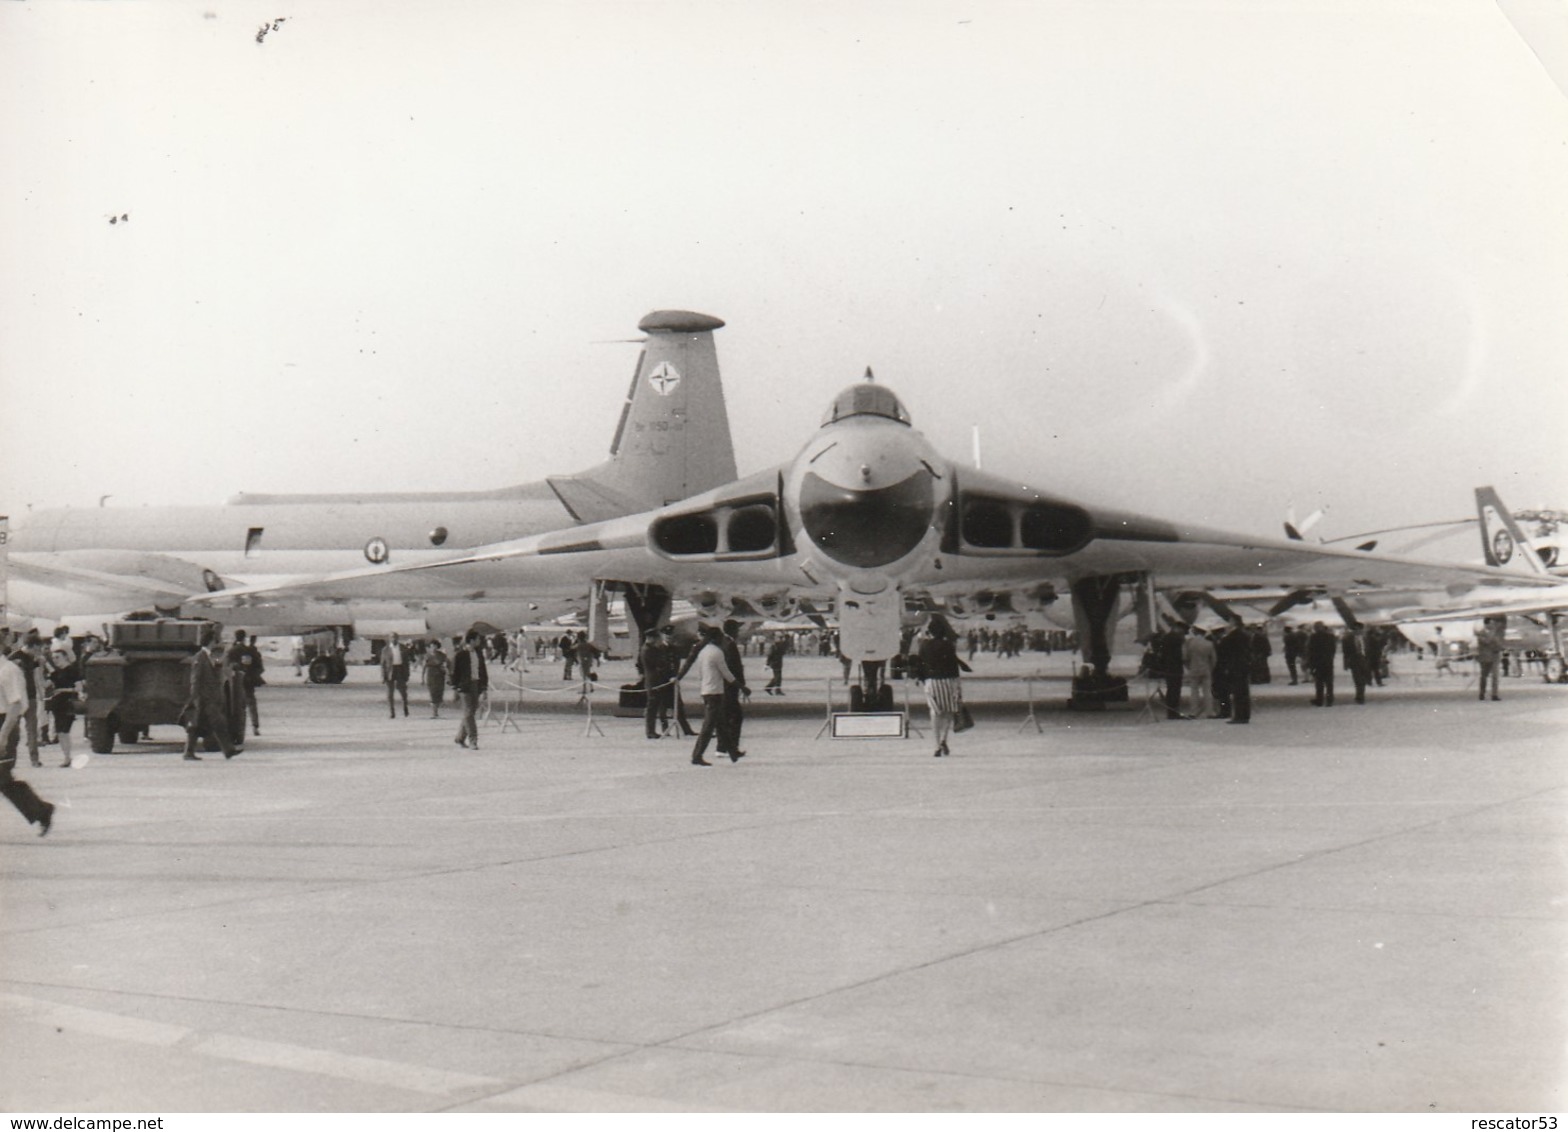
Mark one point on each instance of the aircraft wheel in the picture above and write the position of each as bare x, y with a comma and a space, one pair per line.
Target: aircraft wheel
885, 698
100, 735
339, 671
320, 671
1555, 671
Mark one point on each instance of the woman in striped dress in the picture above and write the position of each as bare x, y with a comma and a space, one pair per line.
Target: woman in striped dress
939, 669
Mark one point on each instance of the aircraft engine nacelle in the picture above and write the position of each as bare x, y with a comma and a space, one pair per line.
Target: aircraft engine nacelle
747, 527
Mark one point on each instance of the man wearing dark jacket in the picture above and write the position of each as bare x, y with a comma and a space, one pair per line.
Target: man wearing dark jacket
1233, 665
1169, 649
470, 679
733, 717
206, 709
1321, 648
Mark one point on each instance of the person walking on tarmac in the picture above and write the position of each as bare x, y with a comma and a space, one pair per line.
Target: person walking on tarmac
245, 658
13, 700
206, 708
471, 680
713, 676
775, 663
733, 715
394, 674
436, 665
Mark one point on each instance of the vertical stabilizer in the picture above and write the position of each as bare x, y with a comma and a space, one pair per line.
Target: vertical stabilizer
1503, 543
673, 439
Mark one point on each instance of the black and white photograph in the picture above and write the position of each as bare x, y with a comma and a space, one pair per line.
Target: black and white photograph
690, 556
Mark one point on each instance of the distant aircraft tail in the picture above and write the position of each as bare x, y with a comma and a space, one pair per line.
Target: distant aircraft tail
673, 439
1503, 543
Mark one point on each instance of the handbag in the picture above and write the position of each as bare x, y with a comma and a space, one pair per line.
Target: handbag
962, 720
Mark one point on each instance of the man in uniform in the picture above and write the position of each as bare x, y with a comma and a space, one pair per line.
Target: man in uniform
658, 665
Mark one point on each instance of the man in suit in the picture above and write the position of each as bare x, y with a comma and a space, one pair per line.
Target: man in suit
1169, 655
733, 716
1233, 661
245, 658
206, 709
1295, 643
394, 673
471, 680
1353, 646
1320, 662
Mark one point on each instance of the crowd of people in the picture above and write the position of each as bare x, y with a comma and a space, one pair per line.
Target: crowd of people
1218, 667
1202, 673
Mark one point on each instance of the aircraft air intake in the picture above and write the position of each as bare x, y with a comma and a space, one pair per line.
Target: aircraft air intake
867, 528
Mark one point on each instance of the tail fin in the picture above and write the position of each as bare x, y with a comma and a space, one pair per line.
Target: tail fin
1503, 543
673, 439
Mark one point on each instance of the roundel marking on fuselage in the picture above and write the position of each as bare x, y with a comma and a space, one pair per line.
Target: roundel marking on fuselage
1502, 546
376, 550
664, 379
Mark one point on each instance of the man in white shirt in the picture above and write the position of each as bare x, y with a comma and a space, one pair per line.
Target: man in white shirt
13, 698
394, 673
712, 675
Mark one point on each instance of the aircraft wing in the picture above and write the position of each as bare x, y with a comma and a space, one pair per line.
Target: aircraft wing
1545, 601
142, 578
761, 562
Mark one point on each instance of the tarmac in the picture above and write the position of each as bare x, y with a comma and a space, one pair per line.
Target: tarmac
1349, 909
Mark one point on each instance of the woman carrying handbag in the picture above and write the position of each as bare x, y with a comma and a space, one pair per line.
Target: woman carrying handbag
939, 672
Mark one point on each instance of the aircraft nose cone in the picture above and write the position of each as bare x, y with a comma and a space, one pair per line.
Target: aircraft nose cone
868, 527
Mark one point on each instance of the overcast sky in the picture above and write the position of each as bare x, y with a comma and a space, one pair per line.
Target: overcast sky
1202, 259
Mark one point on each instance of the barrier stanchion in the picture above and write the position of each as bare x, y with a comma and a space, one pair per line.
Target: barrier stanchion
1030, 716
827, 722
909, 717
514, 706
1152, 690
585, 698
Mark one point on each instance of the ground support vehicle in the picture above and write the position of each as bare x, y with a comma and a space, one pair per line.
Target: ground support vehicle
144, 679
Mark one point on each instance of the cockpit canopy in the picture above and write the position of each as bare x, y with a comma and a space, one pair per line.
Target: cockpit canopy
866, 399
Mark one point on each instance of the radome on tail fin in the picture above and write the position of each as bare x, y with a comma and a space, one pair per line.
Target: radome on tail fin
1502, 542
673, 439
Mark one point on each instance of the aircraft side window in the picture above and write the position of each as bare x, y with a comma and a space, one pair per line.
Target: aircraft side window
253, 540
438, 536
